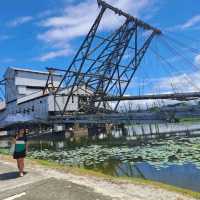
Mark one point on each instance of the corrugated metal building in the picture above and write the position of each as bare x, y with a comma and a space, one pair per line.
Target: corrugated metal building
24, 94
22, 82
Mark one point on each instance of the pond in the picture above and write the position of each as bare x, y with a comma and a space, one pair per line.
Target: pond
174, 161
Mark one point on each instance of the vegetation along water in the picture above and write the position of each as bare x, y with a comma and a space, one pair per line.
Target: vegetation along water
174, 161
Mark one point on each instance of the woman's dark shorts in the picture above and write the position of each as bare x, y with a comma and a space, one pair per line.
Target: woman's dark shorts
18, 155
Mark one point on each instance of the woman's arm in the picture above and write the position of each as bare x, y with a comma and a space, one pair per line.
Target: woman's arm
27, 147
14, 141
26, 142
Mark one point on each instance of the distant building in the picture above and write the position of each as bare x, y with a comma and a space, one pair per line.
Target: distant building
24, 94
23, 82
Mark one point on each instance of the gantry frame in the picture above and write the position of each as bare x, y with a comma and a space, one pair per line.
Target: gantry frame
99, 63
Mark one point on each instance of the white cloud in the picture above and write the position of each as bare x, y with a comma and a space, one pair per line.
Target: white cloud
186, 25
4, 37
191, 22
54, 54
77, 19
45, 13
183, 82
197, 60
189, 82
19, 21
7, 60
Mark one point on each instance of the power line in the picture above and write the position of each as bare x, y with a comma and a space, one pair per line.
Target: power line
192, 49
169, 64
172, 49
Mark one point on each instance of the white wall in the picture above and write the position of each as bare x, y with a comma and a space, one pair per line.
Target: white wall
31, 101
10, 87
34, 79
59, 103
20, 83
37, 108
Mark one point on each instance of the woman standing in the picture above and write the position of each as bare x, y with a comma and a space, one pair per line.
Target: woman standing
21, 148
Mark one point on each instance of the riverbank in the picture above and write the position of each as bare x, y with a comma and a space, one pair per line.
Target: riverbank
121, 188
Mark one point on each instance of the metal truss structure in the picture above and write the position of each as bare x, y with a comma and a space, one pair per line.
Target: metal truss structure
105, 64
49, 86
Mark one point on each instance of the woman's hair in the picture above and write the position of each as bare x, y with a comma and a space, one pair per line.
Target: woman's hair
20, 131
26, 130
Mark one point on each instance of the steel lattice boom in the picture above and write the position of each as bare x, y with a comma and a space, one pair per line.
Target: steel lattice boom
105, 65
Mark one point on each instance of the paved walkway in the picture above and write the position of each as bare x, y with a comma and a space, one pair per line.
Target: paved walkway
41, 183
36, 186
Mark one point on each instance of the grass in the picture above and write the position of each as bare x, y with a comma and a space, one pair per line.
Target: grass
4, 151
189, 119
96, 174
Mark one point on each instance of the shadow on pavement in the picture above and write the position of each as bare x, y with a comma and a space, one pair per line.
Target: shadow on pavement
10, 175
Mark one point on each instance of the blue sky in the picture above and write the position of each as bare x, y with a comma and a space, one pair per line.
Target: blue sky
38, 34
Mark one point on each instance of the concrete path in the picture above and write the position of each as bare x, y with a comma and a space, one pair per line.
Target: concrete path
37, 186
42, 183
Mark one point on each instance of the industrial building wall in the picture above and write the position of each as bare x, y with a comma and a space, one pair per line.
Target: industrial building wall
34, 79
57, 103
10, 87
20, 83
11, 108
29, 82
25, 96
3, 114
37, 108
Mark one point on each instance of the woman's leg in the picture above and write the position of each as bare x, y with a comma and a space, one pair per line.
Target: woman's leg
22, 162
21, 165
18, 164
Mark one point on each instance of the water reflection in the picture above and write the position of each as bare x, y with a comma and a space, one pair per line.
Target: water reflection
130, 170
185, 176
